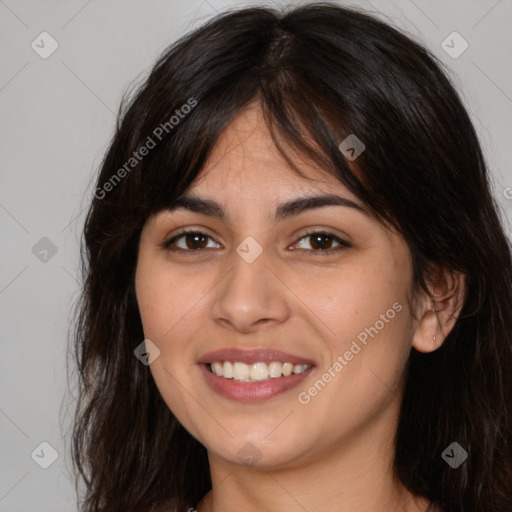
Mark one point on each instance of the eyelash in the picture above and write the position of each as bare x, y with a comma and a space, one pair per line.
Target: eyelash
167, 245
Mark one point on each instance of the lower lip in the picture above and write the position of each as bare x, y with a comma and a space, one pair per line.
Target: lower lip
252, 391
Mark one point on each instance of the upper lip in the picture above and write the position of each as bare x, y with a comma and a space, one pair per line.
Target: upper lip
251, 356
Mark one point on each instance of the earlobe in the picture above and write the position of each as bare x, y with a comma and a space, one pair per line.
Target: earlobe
427, 336
440, 310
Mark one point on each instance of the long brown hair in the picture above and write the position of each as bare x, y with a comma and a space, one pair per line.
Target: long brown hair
321, 72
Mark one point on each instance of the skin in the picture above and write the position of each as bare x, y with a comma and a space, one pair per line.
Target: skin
335, 452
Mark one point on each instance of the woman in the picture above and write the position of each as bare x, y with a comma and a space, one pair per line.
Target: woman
297, 288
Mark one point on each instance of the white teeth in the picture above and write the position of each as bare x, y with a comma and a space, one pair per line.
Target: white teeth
259, 371
217, 369
299, 368
227, 371
256, 372
287, 369
275, 369
240, 371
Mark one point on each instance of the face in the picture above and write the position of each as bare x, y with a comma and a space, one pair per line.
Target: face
258, 290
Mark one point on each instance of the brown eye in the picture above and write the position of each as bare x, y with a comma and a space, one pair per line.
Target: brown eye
189, 241
320, 242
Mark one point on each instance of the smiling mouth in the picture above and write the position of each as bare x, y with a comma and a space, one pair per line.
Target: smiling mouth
256, 372
251, 375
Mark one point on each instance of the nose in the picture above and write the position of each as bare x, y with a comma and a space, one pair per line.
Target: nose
250, 297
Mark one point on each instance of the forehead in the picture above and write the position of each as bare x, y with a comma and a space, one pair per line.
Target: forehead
245, 161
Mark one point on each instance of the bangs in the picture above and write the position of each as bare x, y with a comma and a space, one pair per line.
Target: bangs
300, 136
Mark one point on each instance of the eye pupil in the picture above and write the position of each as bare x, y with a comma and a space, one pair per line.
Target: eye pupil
321, 241
195, 240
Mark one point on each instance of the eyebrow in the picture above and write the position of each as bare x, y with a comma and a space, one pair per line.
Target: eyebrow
283, 211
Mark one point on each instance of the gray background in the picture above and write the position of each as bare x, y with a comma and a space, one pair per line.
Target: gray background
57, 117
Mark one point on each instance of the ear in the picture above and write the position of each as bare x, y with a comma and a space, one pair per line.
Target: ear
438, 310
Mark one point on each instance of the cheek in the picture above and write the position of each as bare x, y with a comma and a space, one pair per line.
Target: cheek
166, 299
168, 305
172, 312
365, 308
355, 298
369, 318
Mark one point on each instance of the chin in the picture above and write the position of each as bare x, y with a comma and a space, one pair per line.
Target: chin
253, 451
